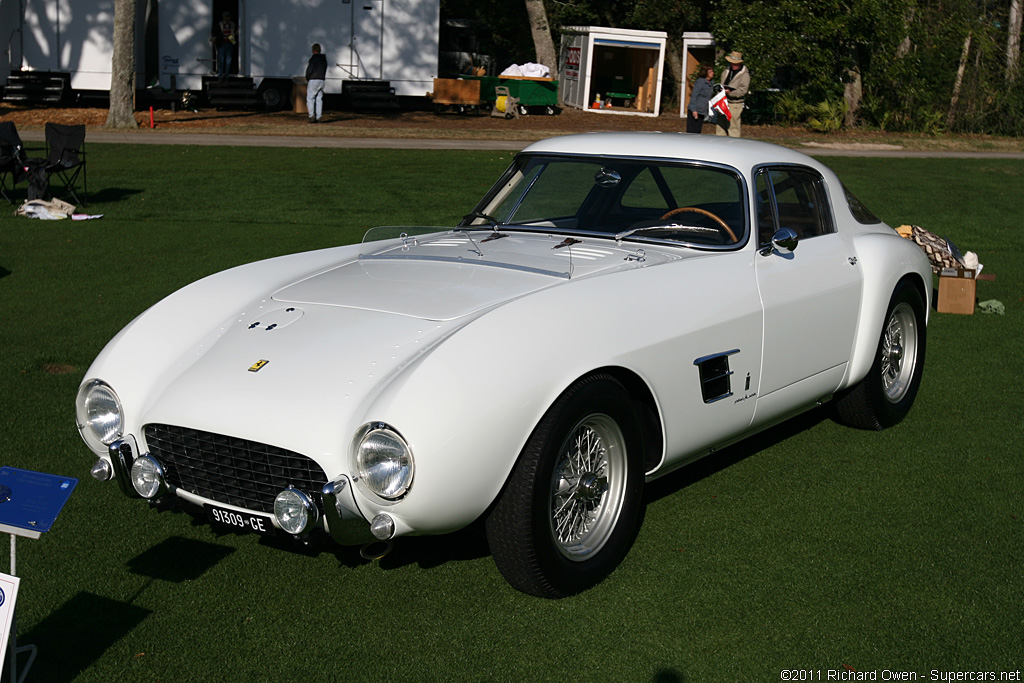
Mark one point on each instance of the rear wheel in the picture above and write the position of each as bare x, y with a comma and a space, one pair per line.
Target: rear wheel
571, 508
885, 395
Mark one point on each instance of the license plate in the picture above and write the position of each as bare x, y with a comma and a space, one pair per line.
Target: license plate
241, 521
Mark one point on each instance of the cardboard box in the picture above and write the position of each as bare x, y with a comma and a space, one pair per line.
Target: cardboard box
957, 288
299, 95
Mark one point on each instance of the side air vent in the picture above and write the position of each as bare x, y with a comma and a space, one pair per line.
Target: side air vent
714, 376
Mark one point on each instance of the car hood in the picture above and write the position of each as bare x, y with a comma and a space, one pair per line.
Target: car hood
319, 349
449, 276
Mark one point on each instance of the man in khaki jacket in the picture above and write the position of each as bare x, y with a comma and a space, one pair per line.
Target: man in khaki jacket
736, 81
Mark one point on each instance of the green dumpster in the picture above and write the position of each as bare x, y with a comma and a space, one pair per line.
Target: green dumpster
530, 92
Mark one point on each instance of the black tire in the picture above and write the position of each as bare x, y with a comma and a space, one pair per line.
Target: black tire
563, 523
273, 97
885, 395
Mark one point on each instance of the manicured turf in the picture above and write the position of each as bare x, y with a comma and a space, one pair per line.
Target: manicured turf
810, 547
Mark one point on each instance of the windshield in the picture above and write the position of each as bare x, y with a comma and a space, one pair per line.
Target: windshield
690, 203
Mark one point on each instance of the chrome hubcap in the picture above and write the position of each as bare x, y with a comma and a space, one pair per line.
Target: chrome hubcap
588, 487
899, 352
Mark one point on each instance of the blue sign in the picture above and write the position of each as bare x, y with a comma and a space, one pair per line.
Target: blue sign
32, 500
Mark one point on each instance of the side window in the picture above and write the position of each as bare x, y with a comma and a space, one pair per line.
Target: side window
800, 200
766, 226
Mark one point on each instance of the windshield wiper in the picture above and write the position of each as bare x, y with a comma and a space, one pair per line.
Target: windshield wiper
673, 226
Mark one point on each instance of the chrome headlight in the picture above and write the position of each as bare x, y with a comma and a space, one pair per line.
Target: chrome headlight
99, 415
384, 461
148, 477
295, 511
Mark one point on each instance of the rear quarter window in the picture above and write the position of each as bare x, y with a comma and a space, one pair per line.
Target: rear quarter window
860, 212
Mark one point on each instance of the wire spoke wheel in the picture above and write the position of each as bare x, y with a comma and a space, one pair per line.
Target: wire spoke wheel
588, 487
899, 352
887, 392
574, 500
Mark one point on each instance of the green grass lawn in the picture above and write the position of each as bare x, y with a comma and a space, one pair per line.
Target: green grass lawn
810, 547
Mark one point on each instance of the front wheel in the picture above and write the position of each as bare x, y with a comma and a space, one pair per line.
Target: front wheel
572, 506
885, 396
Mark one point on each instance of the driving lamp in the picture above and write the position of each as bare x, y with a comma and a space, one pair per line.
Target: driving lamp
148, 477
294, 510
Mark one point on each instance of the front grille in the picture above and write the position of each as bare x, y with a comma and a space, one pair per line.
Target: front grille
230, 470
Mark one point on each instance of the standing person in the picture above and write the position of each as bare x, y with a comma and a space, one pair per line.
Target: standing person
225, 35
697, 108
736, 81
316, 73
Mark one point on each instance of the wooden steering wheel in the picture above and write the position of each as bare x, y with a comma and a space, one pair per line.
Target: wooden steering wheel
703, 212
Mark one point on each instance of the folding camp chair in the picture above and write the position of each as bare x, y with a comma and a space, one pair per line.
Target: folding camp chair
12, 158
65, 158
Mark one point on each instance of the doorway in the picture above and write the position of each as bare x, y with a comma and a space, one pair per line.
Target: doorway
219, 8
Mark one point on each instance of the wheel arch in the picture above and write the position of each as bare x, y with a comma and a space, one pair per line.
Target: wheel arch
647, 411
887, 261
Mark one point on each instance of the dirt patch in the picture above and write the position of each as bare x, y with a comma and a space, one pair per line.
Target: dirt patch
428, 125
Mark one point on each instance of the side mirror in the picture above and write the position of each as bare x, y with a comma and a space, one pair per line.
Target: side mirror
784, 242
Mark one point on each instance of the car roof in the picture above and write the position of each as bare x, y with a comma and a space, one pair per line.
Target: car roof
736, 152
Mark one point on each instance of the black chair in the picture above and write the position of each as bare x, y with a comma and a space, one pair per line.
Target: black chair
12, 158
65, 158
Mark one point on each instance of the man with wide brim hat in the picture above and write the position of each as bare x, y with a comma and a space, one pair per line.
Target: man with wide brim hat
736, 82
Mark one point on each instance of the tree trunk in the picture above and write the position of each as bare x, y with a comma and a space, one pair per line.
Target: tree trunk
1013, 42
904, 48
542, 42
853, 90
674, 87
951, 114
122, 72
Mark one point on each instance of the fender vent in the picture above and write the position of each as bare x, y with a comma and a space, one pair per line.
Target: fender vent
714, 376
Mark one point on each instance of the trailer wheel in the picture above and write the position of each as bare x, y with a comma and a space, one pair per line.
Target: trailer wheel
274, 93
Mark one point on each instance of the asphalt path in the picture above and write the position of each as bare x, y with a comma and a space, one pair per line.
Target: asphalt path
144, 137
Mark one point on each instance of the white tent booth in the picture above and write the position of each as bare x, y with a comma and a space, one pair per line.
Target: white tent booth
612, 70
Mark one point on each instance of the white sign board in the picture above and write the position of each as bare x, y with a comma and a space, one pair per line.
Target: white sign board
8, 595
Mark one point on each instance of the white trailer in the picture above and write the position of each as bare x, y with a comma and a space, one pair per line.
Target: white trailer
392, 40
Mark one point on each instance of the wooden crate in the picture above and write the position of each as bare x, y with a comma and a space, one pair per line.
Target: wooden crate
456, 91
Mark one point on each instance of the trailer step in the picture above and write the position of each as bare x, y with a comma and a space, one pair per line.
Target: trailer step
369, 96
235, 91
38, 87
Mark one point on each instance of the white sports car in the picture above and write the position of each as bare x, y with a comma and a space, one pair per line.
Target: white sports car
616, 306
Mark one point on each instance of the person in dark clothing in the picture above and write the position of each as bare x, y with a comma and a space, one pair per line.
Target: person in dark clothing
697, 108
316, 74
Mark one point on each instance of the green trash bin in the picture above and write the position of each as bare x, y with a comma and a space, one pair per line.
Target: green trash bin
531, 93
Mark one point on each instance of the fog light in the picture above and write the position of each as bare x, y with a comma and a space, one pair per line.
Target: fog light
148, 477
382, 527
294, 510
101, 470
